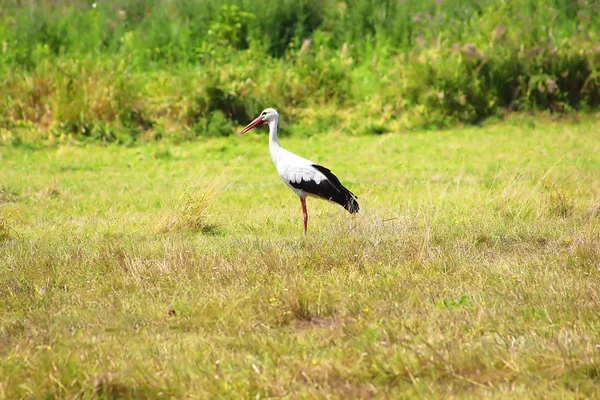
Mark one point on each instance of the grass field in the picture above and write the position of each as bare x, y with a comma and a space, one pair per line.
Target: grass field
180, 270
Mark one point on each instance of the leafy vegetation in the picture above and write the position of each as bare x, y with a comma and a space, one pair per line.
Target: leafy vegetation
180, 270
125, 70
177, 269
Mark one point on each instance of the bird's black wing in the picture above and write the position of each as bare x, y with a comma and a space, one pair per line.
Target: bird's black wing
329, 189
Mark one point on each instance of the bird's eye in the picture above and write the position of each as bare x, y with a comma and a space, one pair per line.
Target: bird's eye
264, 113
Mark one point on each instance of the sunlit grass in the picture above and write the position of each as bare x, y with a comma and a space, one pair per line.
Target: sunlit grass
471, 270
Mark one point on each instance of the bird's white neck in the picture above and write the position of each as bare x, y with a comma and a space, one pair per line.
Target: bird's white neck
274, 145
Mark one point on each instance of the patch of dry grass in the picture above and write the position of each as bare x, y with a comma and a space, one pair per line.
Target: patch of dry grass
7, 220
188, 213
472, 270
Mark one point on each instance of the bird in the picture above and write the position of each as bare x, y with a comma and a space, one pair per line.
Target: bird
305, 177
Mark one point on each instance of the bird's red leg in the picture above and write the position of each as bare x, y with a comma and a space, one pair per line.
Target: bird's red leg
304, 214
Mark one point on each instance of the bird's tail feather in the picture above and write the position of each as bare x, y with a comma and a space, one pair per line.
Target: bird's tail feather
350, 204
338, 192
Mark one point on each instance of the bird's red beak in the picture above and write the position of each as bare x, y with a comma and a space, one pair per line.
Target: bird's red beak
257, 121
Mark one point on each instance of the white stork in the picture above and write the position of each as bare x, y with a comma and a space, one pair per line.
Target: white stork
303, 176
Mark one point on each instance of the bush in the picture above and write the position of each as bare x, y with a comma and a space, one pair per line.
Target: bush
111, 72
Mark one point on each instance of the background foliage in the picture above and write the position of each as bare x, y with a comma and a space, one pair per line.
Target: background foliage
121, 70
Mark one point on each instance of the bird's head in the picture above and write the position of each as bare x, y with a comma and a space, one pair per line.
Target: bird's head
266, 116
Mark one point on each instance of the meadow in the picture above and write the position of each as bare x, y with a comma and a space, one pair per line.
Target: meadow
180, 269
146, 252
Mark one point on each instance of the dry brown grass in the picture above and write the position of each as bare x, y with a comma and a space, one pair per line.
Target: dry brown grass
188, 213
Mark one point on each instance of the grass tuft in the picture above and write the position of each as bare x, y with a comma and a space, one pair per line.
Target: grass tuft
189, 212
559, 203
8, 218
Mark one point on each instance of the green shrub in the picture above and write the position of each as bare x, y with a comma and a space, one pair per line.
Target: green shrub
111, 72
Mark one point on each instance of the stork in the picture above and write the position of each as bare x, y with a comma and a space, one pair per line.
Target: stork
304, 177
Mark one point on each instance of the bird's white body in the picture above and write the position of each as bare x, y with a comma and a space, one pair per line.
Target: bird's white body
291, 167
303, 176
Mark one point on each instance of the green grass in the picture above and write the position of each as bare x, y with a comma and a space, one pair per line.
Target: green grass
180, 270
